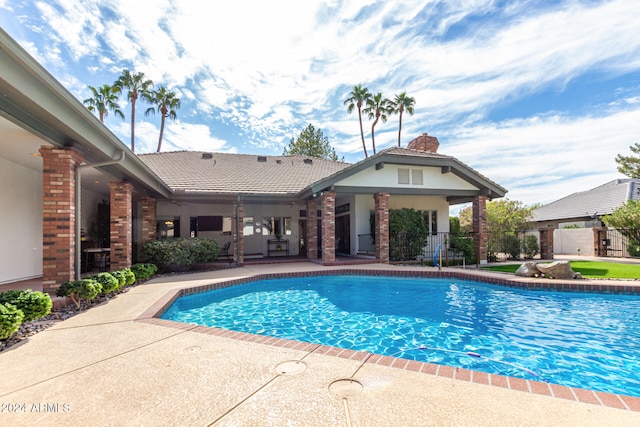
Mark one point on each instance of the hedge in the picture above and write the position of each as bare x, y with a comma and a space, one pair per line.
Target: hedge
180, 253
34, 304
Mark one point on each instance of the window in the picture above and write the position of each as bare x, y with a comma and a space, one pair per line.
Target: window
431, 221
167, 228
410, 176
403, 176
416, 176
247, 230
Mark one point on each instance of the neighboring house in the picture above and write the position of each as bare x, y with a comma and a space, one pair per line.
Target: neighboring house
585, 208
61, 170
576, 219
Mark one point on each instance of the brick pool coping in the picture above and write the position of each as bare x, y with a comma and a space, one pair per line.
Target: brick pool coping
151, 316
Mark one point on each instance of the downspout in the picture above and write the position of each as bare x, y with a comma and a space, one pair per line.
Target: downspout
238, 228
78, 257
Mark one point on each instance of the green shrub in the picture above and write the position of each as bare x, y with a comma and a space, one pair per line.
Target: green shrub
10, 320
462, 243
34, 304
130, 277
121, 277
512, 246
143, 271
107, 282
634, 249
531, 246
79, 289
180, 252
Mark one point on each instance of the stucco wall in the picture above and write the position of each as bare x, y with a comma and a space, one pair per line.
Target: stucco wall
20, 222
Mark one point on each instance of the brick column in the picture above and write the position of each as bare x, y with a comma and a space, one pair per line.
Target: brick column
121, 220
382, 226
546, 243
480, 237
599, 235
312, 229
58, 215
328, 227
238, 233
148, 214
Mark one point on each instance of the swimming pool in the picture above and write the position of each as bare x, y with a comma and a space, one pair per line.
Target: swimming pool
583, 340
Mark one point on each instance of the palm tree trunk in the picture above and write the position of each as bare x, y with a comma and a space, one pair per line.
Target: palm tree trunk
161, 132
399, 128
373, 138
133, 120
364, 146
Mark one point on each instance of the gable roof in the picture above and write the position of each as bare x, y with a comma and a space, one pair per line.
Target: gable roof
601, 200
412, 157
227, 174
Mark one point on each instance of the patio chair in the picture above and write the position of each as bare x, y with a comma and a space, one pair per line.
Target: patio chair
225, 251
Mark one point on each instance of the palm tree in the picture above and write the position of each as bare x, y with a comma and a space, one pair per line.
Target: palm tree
103, 99
377, 107
166, 103
138, 86
358, 96
400, 104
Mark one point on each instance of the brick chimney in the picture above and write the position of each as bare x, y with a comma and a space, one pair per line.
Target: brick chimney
425, 143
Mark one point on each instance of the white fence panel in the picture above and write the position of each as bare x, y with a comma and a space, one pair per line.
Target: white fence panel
573, 241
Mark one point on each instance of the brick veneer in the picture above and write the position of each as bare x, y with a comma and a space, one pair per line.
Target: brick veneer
479, 209
238, 233
312, 229
546, 243
148, 214
121, 219
58, 215
382, 226
328, 228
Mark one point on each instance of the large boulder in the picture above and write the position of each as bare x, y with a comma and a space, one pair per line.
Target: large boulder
528, 269
557, 270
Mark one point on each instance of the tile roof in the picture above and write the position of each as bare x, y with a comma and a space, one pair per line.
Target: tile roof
601, 200
227, 173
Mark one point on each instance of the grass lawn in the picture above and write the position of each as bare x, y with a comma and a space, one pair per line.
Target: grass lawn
593, 269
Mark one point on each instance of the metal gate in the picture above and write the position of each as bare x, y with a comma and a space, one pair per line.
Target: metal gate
612, 243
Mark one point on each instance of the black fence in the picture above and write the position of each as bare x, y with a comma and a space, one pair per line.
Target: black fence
506, 246
427, 248
618, 243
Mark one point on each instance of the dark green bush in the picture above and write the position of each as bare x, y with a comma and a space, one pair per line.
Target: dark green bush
120, 276
143, 271
107, 282
180, 252
634, 249
79, 289
462, 243
512, 246
34, 304
531, 246
10, 320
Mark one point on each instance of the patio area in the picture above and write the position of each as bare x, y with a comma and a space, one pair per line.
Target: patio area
116, 365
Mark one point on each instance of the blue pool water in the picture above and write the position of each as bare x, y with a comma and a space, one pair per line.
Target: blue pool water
583, 340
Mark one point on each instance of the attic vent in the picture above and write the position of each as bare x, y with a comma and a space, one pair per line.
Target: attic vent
278, 161
207, 156
262, 158
308, 161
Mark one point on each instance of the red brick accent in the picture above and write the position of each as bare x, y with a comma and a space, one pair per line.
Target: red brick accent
599, 235
312, 229
480, 238
238, 233
148, 213
546, 243
328, 227
425, 143
58, 215
121, 220
382, 226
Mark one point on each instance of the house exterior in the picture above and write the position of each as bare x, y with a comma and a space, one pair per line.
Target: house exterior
575, 220
585, 208
60, 167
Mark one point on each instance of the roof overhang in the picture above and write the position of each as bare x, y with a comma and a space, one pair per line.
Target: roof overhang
447, 164
34, 100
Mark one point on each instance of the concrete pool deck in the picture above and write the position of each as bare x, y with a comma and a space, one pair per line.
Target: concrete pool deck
110, 366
